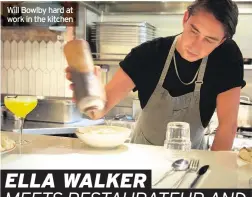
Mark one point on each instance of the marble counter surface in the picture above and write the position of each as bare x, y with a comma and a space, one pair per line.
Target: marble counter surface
50, 152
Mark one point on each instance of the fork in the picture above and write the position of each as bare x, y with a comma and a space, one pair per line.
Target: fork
193, 167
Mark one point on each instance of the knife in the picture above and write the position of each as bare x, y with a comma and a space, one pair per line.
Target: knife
201, 172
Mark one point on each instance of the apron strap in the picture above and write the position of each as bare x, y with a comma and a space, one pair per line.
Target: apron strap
168, 62
200, 77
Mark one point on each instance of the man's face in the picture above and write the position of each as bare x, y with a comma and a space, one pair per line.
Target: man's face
201, 35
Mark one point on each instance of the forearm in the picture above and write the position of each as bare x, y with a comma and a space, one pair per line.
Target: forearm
112, 99
224, 137
116, 90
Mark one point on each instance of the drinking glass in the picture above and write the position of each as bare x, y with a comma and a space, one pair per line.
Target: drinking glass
178, 136
20, 106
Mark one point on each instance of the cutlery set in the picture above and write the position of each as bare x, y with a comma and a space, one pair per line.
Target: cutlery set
187, 166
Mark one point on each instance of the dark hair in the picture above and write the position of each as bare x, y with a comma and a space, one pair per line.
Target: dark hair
224, 11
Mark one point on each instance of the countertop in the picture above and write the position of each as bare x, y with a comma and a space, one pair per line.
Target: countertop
227, 170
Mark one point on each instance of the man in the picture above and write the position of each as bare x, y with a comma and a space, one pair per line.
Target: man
185, 77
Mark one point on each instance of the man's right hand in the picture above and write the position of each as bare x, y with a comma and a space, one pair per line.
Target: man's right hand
116, 90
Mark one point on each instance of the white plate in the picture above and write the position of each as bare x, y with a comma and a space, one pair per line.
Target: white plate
9, 150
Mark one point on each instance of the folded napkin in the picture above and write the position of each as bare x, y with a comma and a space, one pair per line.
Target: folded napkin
245, 154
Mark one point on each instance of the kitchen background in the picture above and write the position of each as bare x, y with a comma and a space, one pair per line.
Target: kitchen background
32, 61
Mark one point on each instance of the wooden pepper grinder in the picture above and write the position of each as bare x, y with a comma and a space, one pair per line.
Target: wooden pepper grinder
88, 89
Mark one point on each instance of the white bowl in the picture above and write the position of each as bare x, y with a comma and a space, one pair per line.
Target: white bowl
103, 136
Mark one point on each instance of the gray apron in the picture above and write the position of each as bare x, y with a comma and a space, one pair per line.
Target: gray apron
162, 108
